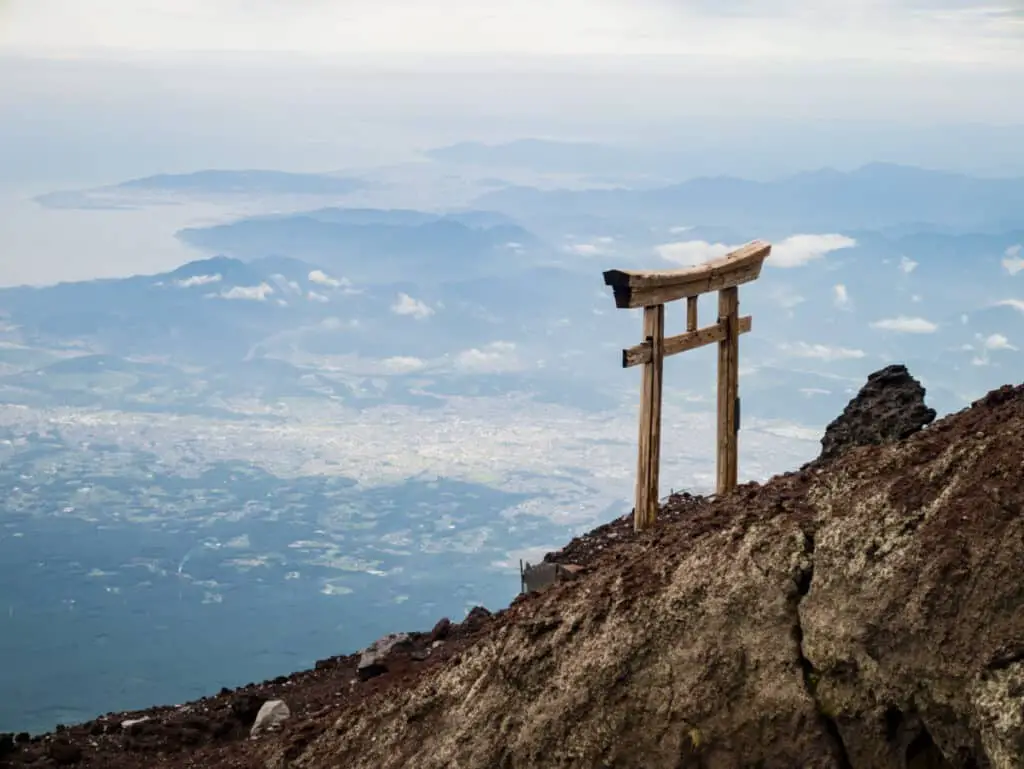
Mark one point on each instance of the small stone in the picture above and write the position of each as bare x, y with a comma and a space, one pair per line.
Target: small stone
271, 717
373, 660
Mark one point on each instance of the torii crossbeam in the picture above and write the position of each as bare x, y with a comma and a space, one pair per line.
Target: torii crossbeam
652, 290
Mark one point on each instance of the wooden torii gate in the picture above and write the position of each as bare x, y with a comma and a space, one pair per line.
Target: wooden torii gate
651, 290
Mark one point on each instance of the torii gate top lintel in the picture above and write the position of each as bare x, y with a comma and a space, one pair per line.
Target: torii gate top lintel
652, 290
644, 289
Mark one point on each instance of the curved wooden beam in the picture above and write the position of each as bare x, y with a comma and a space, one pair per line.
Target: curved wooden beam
644, 289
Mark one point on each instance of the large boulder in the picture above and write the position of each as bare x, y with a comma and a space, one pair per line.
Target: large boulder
864, 613
889, 407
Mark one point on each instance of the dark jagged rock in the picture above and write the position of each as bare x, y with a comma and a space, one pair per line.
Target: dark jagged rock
64, 753
441, 630
477, 617
888, 408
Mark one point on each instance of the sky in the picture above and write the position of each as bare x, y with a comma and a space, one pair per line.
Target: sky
968, 31
98, 91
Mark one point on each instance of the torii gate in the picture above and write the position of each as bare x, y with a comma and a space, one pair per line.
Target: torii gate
651, 290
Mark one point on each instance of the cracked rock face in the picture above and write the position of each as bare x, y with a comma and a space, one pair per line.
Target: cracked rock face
888, 408
867, 613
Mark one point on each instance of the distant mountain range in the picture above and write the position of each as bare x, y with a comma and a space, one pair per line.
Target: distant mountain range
379, 246
207, 183
875, 197
449, 304
887, 263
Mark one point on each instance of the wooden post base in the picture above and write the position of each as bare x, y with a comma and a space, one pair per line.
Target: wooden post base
728, 390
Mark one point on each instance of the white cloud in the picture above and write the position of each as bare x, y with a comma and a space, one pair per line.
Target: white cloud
689, 253
406, 305
198, 280
986, 344
254, 293
1017, 304
336, 324
793, 251
596, 247
907, 265
810, 391
786, 298
840, 296
402, 364
493, 358
997, 342
906, 325
286, 286
820, 351
964, 319
322, 278
798, 250
1013, 262
313, 296
898, 30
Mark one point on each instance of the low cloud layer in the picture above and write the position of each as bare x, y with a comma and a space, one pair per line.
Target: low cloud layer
407, 305
1013, 261
323, 279
794, 251
1017, 304
253, 293
906, 325
198, 280
799, 250
496, 357
820, 351
402, 364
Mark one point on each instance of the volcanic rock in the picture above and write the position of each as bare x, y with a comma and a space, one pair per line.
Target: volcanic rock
64, 753
373, 661
889, 407
441, 630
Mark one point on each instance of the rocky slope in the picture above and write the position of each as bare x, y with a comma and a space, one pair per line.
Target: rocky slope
866, 611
